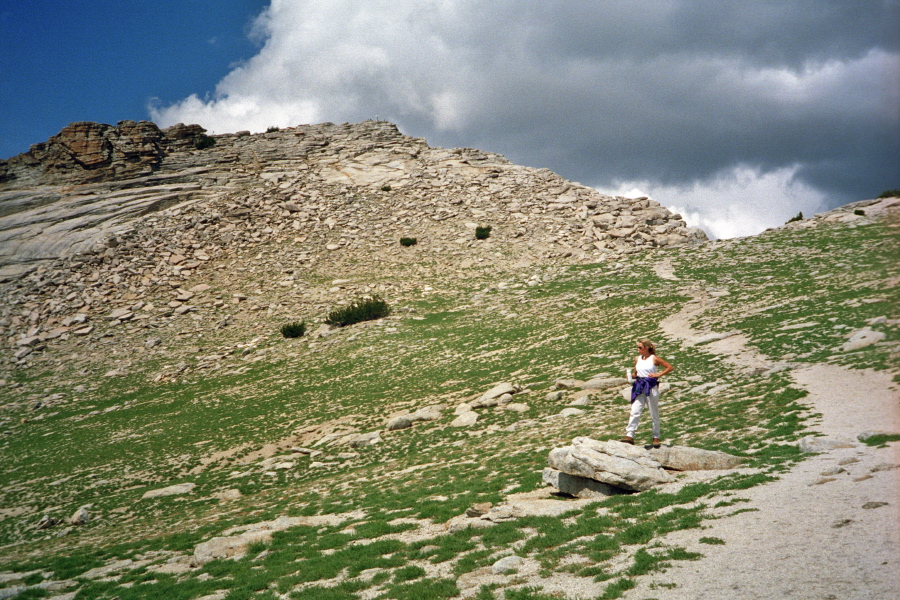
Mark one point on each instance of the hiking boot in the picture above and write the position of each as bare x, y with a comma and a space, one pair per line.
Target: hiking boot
627, 440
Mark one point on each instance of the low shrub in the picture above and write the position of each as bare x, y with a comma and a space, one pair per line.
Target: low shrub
293, 330
482, 232
203, 141
385, 188
273, 129
890, 194
361, 309
406, 241
799, 217
859, 212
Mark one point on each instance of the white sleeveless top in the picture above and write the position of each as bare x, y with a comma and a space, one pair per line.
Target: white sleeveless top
645, 366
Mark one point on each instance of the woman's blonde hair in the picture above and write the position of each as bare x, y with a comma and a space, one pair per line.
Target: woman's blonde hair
648, 345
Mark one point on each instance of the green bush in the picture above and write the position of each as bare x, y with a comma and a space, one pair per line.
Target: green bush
890, 194
482, 232
405, 241
799, 217
203, 141
361, 309
293, 330
859, 212
385, 188
273, 129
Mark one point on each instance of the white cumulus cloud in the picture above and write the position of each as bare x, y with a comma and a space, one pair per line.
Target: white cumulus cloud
742, 114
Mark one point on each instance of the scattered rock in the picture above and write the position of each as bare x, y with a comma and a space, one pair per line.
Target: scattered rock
172, 490
466, 419
817, 445
861, 339
81, 516
571, 412
507, 564
478, 510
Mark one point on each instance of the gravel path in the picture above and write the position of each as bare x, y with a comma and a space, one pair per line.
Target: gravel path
828, 529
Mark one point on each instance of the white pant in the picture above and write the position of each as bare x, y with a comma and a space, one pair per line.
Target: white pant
637, 407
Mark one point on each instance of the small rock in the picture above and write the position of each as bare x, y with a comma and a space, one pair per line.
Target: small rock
466, 419
172, 490
81, 516
506, 564
861, 339
397, 423
571, 412
478, 510
874, 504
818, 445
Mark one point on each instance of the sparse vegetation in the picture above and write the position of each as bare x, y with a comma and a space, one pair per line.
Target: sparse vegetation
408, 241
272, 129
895, 193
797, 217
361, 309
482, 232
859, 212
293, 330
385, 188
203, 141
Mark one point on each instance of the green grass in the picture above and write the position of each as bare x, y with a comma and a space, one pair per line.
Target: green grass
881, 440
442, 348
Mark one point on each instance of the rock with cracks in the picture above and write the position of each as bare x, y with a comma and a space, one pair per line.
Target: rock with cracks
614, 463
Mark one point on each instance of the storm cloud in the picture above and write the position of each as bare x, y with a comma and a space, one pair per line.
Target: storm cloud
739, 114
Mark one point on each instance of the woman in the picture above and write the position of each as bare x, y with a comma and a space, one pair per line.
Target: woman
645, 389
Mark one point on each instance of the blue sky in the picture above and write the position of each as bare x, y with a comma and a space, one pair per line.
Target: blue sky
91, 60
735, 114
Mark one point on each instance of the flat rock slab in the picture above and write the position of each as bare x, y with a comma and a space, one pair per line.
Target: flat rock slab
685, 458
172, 490
614, 463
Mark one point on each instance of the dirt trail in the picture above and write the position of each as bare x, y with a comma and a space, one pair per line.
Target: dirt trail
827, 530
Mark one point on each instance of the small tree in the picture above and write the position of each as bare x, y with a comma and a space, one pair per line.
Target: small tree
203, 141
799, 217
482, 232
361, 309
293, 330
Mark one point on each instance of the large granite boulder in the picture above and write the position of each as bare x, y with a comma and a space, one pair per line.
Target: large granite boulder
614, 463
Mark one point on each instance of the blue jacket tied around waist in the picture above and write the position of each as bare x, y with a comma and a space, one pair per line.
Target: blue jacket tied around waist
643, 385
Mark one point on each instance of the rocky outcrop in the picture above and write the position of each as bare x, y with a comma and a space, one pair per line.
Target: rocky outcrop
92, 183
589, 468
87, 152
613, 463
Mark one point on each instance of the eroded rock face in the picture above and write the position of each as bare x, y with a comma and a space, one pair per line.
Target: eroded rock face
85, 152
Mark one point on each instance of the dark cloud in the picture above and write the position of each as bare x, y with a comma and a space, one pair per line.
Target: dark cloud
669, 94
